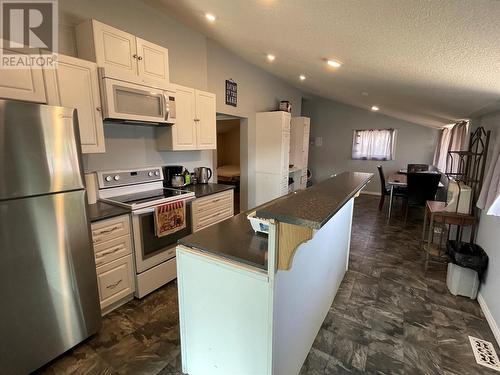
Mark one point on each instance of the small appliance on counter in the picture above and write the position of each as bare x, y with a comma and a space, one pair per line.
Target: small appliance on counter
203, 174
170, 173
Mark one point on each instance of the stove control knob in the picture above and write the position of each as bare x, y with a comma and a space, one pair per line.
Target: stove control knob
150, 174
108, 178
157, 173
117, 177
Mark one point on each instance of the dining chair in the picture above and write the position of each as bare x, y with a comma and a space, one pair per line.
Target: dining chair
411, 168
422, 187
384, 190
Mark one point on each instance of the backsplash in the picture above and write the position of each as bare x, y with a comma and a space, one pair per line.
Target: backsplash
131, 146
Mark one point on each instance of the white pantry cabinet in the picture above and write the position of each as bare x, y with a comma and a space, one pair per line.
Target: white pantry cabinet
121, 53
195, 126
22, 84
75, 84
271, 155
299, 150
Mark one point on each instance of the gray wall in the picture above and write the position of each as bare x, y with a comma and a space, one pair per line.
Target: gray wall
488, 236
335, 123
195, 61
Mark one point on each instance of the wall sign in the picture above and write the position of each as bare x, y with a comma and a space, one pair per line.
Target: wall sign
231, 92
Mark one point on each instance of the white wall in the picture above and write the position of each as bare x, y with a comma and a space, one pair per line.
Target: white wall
195, 61
488, 236
335, 123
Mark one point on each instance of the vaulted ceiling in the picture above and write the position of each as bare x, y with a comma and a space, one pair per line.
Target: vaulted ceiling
431, 62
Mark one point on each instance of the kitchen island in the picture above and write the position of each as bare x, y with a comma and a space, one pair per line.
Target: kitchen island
253, 304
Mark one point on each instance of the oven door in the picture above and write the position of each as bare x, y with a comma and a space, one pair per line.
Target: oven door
128, 101
151, 250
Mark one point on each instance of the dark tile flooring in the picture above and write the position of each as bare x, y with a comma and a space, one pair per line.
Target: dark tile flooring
389, 317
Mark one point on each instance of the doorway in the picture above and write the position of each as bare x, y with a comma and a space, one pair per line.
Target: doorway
227, 157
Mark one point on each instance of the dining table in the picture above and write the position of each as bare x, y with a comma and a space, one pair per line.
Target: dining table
398, 179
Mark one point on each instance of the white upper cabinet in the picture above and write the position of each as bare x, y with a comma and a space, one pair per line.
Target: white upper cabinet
206, 122
22, 84
195, 126
75, 84
121, 53
152, 60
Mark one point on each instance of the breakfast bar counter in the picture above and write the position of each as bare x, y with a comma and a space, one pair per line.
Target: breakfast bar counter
253, 303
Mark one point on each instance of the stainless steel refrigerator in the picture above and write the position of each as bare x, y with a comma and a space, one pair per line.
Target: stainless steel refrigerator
48, 286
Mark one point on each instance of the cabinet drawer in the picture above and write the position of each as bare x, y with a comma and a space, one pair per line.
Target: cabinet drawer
106, 230
220, 215
226, 197
110, 250
115, 280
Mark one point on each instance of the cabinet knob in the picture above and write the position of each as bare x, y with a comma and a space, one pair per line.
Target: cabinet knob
98, 109
134, 56
139, 58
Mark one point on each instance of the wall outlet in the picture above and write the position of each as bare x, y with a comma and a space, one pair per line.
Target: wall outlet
318, 141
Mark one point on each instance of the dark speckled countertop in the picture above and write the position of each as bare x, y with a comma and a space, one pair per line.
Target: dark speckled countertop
101, 211
313, 207
235, 239
201, 190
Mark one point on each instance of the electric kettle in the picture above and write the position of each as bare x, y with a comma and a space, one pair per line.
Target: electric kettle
203, 174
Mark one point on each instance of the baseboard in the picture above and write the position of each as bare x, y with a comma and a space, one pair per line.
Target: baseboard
377, 193
491, 321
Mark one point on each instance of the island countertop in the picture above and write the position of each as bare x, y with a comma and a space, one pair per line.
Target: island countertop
313, 207
235, 239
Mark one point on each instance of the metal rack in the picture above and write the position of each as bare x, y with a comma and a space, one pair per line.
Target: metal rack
467, 167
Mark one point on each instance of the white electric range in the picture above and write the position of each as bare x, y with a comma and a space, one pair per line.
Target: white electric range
141, 190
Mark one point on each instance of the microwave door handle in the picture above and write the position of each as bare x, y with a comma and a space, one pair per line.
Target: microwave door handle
166, 107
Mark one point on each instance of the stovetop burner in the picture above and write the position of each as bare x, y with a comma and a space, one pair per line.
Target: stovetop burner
148, 196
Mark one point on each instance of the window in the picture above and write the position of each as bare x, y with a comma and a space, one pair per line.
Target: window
374, 144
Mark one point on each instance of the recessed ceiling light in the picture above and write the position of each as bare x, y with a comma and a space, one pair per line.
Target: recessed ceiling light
333, 63
210, 17
271, 57
375, 108
302, 77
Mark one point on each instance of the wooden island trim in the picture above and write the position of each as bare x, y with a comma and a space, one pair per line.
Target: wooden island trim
290, 236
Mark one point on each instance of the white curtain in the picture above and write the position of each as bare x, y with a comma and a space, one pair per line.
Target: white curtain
489, 199
373, 144
451, 139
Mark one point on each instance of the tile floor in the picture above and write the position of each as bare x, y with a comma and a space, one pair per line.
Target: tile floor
389, 317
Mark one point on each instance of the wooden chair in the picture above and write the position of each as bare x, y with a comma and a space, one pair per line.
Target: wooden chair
384, 190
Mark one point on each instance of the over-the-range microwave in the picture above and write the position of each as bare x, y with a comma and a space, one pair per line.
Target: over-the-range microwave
130, 101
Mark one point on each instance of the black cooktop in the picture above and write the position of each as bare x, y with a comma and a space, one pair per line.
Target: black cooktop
148, 196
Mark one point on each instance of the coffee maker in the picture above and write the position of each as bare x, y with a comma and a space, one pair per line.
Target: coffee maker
169, 171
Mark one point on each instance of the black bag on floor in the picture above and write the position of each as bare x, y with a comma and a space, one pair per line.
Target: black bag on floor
468, 255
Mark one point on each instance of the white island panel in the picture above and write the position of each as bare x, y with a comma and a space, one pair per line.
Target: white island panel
303, 295
225, 316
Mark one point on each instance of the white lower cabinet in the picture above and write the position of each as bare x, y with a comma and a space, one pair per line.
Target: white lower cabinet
115, 281
114, 262
212, 209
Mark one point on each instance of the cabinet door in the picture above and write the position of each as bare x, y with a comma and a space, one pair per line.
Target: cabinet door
114, 49
75, 84
184, 129
152, 61
206, 132
22, 84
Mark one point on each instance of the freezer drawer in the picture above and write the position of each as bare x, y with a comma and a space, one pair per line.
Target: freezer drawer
48, 279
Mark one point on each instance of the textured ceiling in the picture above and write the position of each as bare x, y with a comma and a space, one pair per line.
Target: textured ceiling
430, 62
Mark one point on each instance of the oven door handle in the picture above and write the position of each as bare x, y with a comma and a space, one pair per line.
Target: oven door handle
147, 210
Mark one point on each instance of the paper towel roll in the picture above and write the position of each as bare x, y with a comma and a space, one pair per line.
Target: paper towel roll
91, 182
